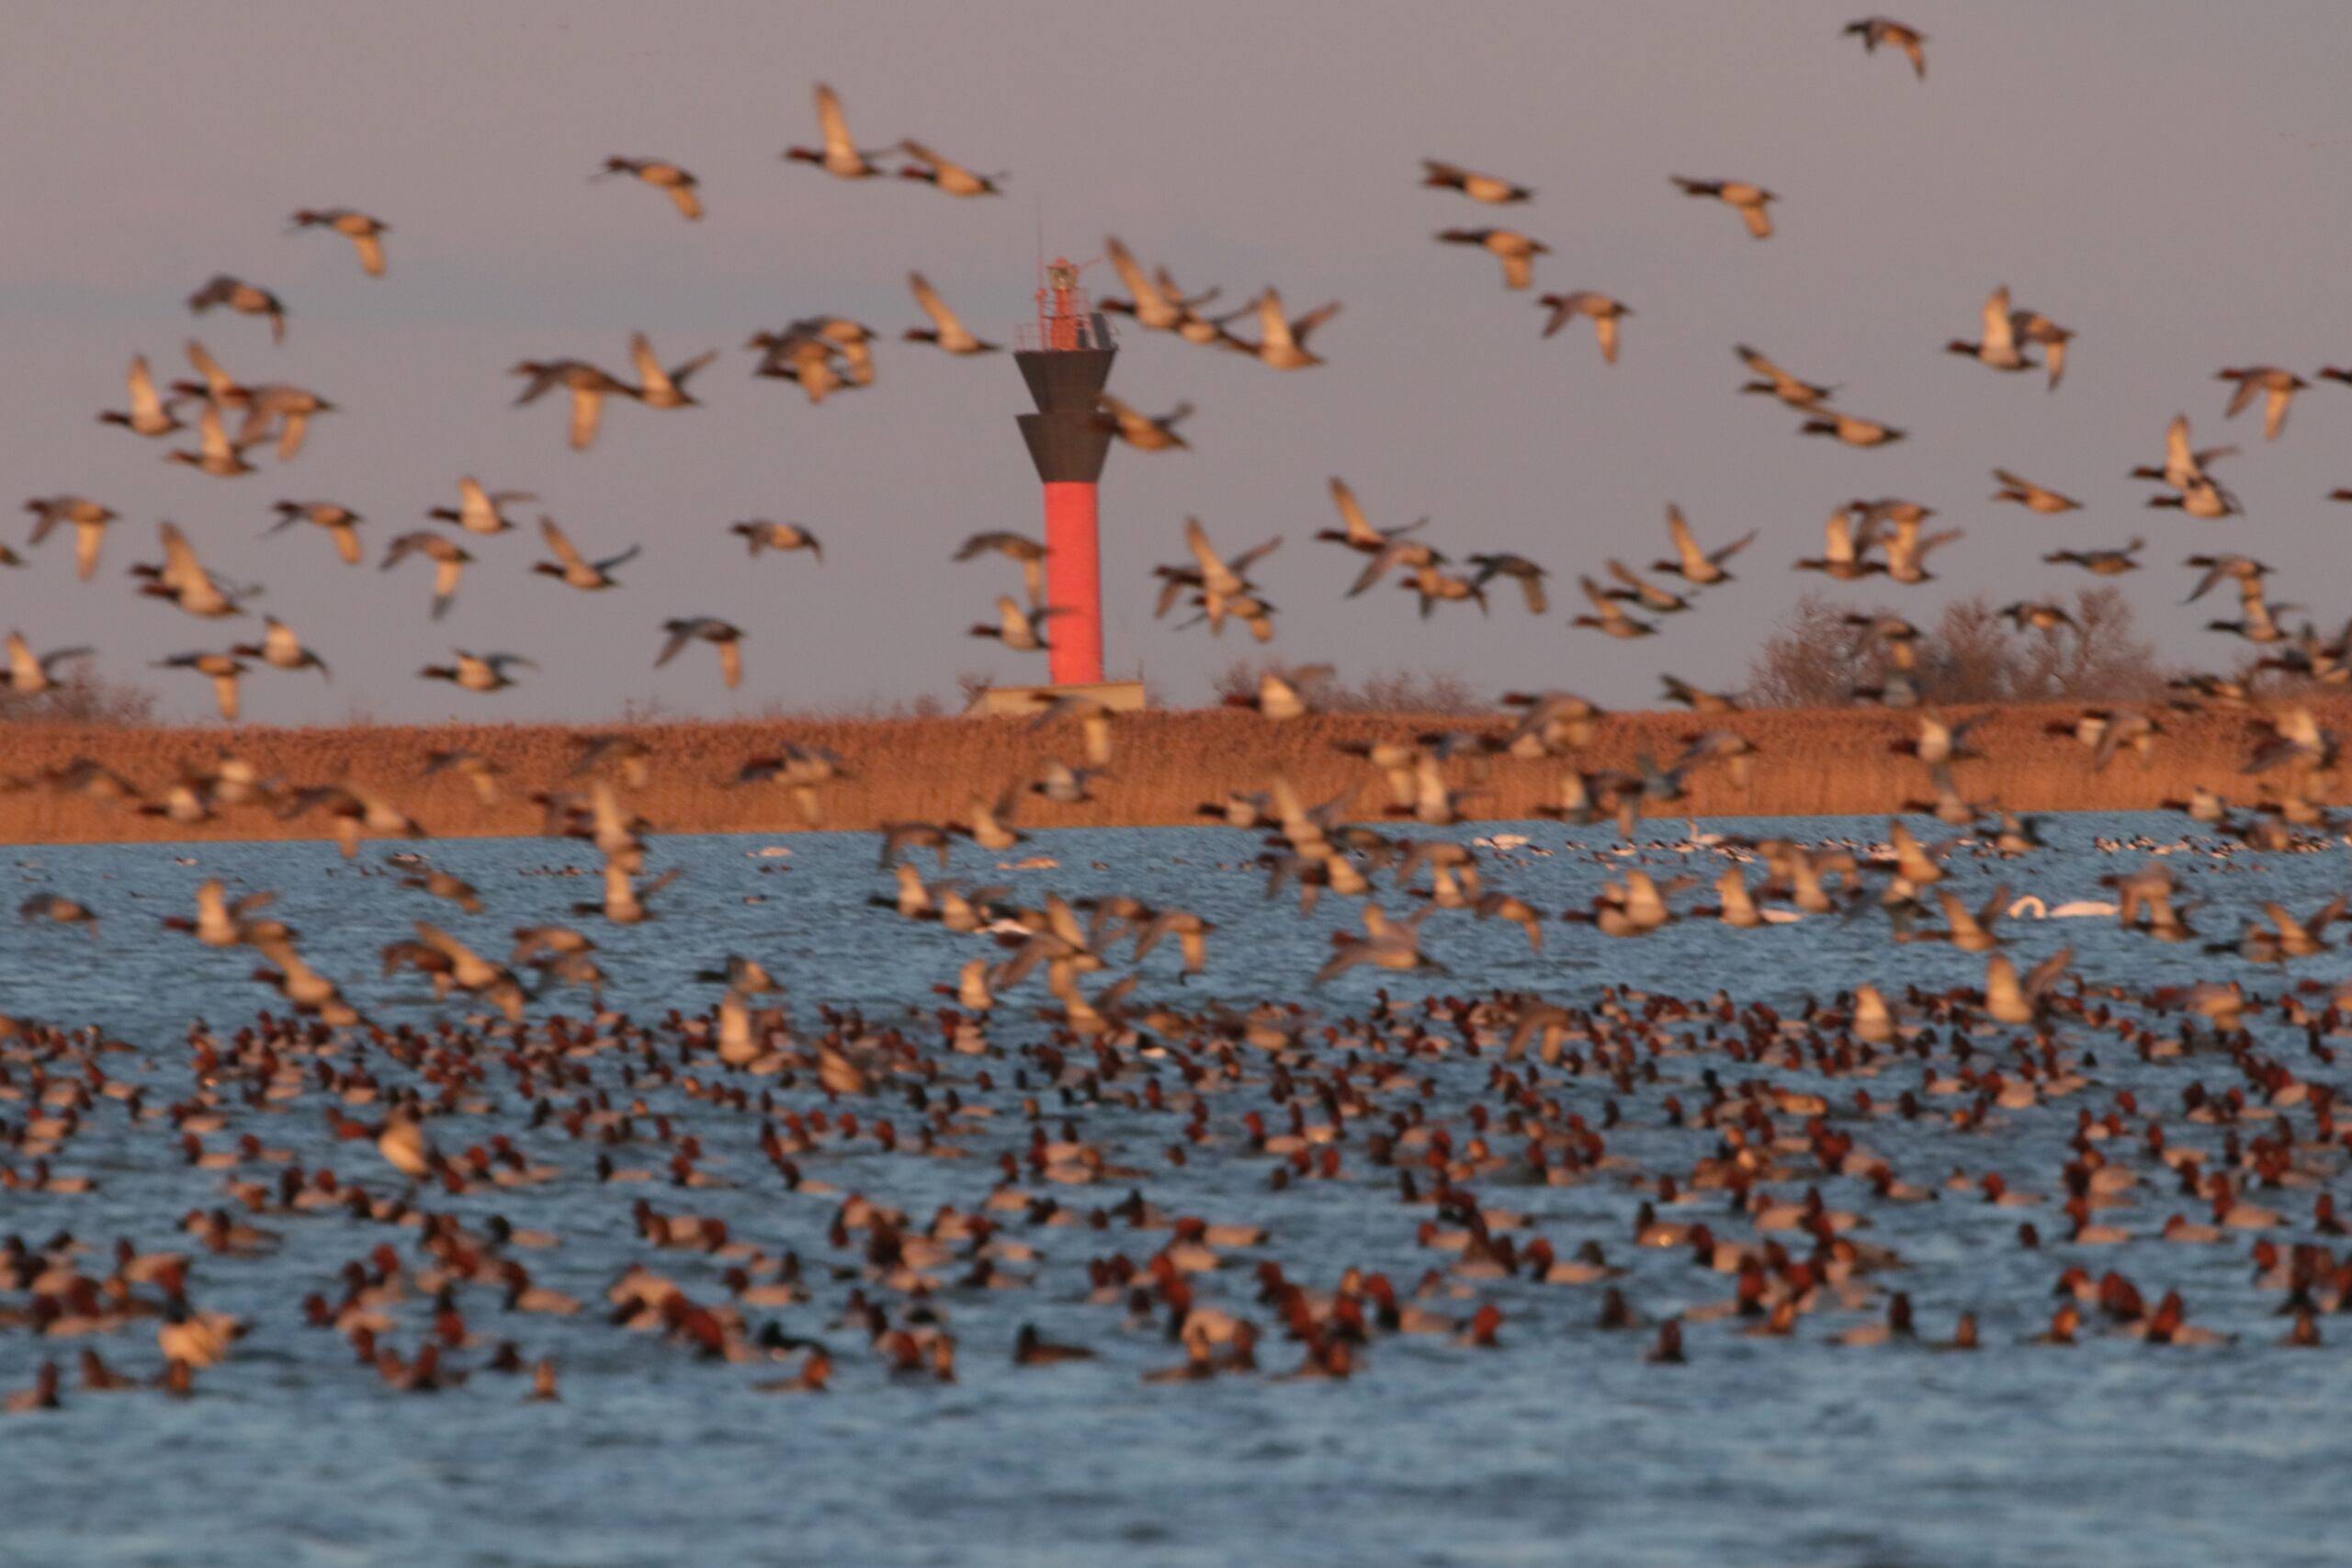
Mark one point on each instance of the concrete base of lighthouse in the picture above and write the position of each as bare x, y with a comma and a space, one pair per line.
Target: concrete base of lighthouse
1027, 702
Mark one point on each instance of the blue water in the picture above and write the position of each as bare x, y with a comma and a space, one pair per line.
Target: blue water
1562, 1446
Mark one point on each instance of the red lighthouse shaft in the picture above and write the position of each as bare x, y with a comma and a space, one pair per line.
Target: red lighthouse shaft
1074, 582
1068, 441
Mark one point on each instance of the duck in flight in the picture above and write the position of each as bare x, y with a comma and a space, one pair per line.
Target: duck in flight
682, 188
724, 636
245, 299
1876, 30
839, 157
948, 330
1488, 188
1748, 200
366, 233
1605, 312
946, 173
575, 569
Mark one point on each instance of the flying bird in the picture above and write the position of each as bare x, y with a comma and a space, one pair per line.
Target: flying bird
1609, 615
1770, 379
662, 389
1520, 570
1517, 251
1998, 349
1017, 629
1145, 433
215, 453
89, 522
575, 569
1013, 546
1487, 188
341, 523
2031, 496
482, 673
1851, 429
148, 414
281, 648
1701, 568
759, 534
682, 188
588, 385
2276, 388
27, 674
183, 580
480, 511
366, 233
947, 330
246, 298
1281, 342
839, 156
1748, 200
1605, 313
449, 562
945, 173
726, 637
225, 670
1876, 30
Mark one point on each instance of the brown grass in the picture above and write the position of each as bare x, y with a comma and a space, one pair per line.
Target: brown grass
1834, 761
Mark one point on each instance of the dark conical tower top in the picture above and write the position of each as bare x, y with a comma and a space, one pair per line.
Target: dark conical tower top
1067, 368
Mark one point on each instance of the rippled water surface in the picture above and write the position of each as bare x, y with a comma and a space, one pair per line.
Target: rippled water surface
1562, 1446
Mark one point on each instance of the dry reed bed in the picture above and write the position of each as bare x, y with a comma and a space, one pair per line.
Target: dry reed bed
1828, 761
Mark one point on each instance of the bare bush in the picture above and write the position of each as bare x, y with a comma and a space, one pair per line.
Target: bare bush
1972, 654
1385, 690
88, 699
1812, 660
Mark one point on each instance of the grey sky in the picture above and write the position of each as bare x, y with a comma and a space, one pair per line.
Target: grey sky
2166, 178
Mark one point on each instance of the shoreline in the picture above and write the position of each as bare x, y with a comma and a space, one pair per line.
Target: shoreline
1839, 762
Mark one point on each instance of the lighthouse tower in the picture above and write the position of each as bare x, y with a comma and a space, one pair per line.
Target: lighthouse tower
1066, 359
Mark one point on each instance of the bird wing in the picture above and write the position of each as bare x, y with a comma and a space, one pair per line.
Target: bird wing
835, 124
648, 368
180, 565
1274, 327
145, 406
1312, 320
215, 377
1131, 273
932, 305
562, 547
587, 413
1358, 527
2178, 456
2000, 336
1837, 539
730, 663
1215, 573
1378, 566
1694, 560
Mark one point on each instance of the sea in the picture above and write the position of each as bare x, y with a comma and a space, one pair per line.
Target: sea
1562, 1445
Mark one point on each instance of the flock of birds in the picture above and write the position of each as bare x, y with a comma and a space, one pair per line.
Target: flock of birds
1760, 1116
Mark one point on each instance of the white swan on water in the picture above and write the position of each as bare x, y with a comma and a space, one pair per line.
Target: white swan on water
2032, 908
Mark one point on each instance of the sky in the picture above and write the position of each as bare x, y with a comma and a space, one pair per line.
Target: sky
2167, 179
